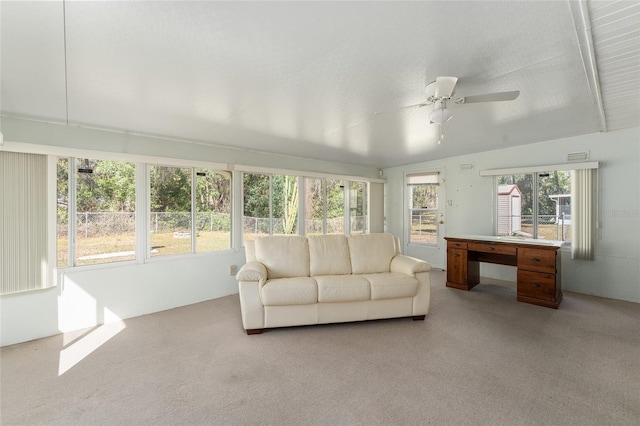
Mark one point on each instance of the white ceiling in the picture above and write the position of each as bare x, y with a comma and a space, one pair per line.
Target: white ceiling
307, 78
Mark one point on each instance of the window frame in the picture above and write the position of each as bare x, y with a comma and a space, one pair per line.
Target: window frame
536, 169
193, 213
301, 177
72, 212
141, 163
142, 200
535, 206
410, 209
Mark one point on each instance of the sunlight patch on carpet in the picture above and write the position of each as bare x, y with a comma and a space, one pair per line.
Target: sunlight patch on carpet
72, 355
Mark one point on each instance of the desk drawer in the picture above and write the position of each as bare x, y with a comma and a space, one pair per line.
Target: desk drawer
537, 285
537, 260
492, 248
456, 245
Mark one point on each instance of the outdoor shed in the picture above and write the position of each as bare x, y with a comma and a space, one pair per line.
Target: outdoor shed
509, 209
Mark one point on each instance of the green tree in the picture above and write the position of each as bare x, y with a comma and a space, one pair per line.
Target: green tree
170, 189
424, 196
213, 191
285, 201
103, 185
335, 198
549, 183
62, 191
552, 183
256, 195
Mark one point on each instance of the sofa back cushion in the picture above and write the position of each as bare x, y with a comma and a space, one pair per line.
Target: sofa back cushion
284, 256
329, 255
250, 251
371, 253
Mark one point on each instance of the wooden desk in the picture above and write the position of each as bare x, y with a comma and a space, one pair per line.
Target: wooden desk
538, 263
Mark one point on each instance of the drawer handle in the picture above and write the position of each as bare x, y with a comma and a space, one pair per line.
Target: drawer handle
535, 259
491, 248
536, 285
456, 255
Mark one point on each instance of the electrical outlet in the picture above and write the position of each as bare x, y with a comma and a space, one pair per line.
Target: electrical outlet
233, 269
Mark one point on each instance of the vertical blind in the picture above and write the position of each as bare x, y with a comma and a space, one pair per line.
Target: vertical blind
23, 214
583, 187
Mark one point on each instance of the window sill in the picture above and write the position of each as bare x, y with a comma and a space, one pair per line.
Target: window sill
155, 259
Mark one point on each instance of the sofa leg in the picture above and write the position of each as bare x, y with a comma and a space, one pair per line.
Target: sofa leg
254, 331
419, 317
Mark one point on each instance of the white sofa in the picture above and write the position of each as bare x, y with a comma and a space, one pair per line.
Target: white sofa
297, 280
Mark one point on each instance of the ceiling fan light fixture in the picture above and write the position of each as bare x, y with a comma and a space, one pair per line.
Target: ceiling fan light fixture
440, 115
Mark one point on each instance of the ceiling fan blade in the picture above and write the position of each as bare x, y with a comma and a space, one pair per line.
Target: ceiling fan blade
423, 104
490, 97
445, 86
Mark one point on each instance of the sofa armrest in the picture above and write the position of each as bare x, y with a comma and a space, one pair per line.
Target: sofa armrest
409, 265
251, 277
252, 271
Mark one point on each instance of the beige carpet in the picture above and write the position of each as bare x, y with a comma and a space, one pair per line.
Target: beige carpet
480, 358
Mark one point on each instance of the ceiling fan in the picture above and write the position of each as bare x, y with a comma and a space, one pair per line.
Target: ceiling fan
442, 90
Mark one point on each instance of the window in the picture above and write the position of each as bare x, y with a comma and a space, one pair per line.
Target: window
95, 211
331, 206
324, 206
62, 212
284, 193
213, 210
423, 208
256, 217
358, 207
335, 206
170, 205
535, 205
173, 222
314, 206
100, 196
270, 205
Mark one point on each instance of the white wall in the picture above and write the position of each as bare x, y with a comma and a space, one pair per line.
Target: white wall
376, 207
615, 273
89, 296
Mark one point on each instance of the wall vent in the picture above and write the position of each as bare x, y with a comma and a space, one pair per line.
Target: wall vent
578, 156
467, 166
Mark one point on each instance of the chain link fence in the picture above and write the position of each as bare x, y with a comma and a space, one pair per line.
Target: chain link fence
98, 224
550, 227
334, 226
260, 225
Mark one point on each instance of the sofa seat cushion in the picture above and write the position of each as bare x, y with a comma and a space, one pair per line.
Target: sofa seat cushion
391, 285
329, 255
289, 291
343, 288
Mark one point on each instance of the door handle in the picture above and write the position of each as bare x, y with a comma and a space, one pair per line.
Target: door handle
441, 222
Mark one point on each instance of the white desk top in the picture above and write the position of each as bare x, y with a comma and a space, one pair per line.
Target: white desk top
493, 238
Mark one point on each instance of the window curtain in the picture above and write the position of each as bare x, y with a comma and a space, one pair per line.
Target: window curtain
583, 194
23, 217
